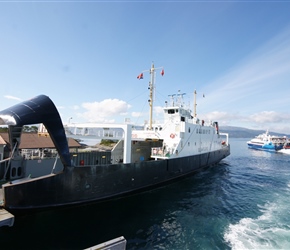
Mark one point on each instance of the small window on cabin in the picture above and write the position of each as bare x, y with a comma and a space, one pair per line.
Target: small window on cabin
171, 111
188, 130
176, 110
182, 119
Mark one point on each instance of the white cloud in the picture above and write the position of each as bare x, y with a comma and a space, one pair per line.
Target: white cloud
137, 114
12, 97
75, 107
158, 110
274, 121
106, 111
224, 118
269, 117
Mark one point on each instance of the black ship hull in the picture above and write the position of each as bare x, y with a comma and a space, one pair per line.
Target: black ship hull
85, 184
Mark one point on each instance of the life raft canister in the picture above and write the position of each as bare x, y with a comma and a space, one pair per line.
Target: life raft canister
172, 136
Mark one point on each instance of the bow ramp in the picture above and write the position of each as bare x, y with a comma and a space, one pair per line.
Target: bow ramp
39, 109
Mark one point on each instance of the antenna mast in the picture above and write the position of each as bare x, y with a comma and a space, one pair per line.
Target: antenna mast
194, 107
151, 90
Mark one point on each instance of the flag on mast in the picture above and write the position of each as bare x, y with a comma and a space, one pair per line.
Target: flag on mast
140, 76
162, 72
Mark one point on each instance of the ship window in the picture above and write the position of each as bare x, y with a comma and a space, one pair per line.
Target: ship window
182, 118
188, 130
19, 171
13, 173
171, 111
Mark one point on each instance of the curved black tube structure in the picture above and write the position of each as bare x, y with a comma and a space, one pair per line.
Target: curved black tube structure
39, 109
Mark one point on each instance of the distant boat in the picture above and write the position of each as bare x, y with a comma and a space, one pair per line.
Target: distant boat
142, 159
286, 148
267, 142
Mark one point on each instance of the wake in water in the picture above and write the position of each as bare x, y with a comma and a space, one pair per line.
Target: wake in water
268, 231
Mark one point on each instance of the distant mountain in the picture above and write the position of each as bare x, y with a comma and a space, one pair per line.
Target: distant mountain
238, 132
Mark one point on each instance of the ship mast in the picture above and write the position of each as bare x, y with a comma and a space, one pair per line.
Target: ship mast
151, 90
194, 107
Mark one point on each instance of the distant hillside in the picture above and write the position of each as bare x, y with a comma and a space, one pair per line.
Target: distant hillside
237, 132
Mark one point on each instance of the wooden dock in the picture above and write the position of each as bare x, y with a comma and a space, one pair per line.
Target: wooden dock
114, 244
6, 218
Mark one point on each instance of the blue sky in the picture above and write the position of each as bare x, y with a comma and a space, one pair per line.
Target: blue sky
86, 55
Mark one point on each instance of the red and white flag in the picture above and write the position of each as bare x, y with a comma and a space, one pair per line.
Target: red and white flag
162, 72
140, 76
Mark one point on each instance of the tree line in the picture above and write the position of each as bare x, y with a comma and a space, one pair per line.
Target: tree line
26, 129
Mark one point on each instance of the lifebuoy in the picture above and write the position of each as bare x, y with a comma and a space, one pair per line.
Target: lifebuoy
172, 136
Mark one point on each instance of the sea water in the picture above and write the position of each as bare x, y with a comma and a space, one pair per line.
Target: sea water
240, 203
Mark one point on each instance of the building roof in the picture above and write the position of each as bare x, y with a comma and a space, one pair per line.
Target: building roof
33, 141
2, 141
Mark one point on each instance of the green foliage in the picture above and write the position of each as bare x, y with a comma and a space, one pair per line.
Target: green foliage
106, 142
3, 129
27, 129
30, 129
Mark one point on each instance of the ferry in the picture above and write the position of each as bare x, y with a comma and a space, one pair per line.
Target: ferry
142, 159
267, 142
